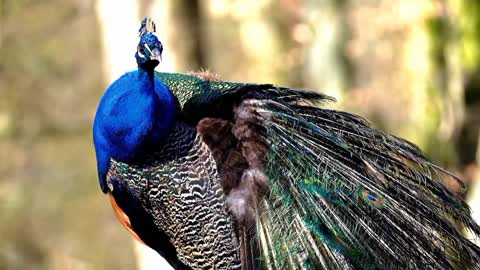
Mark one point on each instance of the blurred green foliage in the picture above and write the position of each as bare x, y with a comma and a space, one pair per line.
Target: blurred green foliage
469, 24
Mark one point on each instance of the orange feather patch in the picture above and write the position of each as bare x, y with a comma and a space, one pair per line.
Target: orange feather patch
123, 218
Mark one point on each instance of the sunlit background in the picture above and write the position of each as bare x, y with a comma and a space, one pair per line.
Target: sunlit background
410, 66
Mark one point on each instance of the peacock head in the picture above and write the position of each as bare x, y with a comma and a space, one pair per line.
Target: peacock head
149, 49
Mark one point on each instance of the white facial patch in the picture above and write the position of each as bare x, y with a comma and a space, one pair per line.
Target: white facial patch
148, 48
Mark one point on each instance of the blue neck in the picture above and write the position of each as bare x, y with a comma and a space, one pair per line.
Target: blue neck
135, 115
146, 80
146, 73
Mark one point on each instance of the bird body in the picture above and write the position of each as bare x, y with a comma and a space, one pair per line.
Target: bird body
223, 175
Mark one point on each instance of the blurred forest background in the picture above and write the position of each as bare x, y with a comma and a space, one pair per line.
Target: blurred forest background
410, 66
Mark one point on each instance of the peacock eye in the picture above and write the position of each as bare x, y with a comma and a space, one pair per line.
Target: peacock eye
141, 51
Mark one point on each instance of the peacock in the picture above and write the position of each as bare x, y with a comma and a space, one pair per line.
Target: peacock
223, 175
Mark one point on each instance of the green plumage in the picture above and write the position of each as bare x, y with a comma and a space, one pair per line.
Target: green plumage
193, 91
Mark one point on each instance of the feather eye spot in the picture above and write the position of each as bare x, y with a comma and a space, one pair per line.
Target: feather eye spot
372, 199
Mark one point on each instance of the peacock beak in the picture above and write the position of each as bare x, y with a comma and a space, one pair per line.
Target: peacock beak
156, 55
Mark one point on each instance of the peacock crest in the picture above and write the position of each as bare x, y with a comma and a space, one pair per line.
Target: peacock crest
147, 26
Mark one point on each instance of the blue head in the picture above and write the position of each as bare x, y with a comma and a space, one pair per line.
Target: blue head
149, 49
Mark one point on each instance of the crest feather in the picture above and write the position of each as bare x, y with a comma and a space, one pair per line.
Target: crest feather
148, 26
